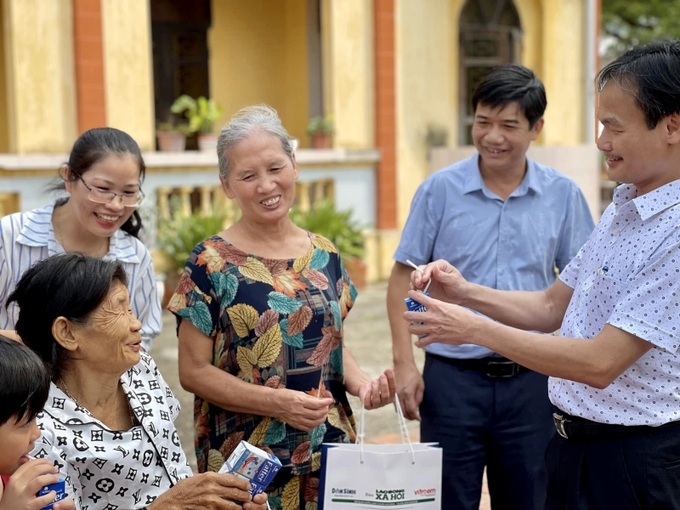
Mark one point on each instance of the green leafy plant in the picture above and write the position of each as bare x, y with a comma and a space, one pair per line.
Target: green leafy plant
337, 226
320, 124
176, 237
202, 113
169, 126
436, 136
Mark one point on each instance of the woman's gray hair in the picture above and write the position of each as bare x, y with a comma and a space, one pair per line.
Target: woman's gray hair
243, 123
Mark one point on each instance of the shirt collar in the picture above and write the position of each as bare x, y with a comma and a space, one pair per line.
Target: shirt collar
474, 181
650, 203
38, 232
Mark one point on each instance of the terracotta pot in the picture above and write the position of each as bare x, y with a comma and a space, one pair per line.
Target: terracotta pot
169, 284
207, 142
322, 140
356, 269
171, 141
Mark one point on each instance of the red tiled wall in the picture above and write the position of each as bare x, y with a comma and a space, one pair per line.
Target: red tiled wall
385, 113
89, 62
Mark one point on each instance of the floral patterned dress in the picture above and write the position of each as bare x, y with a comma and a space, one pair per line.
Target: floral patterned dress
276, 323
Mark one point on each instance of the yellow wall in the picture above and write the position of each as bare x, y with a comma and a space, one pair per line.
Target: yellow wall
564, 72
427, 88
4, 126
128, 69
40, 75
557, 55
258, 54
531, 20
349, 71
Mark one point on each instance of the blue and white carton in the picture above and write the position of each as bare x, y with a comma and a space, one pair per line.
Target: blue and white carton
59, 487
253, 464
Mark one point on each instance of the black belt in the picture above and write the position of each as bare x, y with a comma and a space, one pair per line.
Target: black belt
492, 366
574, 427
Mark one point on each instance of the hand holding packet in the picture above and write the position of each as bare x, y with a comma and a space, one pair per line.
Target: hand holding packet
415, 306
253, 464
59, 487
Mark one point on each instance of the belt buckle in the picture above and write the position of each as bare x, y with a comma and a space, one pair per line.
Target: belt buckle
513, 369
559, 422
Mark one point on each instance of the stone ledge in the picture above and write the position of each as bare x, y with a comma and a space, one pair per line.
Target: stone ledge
305, 157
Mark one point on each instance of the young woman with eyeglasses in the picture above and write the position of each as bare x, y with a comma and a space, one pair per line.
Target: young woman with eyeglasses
99, 218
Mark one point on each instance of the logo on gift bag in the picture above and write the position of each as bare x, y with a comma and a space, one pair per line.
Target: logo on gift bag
425, 492
389, 495
344, 492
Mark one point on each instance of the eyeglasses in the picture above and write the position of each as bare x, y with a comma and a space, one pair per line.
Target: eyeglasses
104, 196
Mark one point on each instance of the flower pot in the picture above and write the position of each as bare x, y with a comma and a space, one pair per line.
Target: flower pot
171, 141
356, 269
207, 142
321, 140
171, 281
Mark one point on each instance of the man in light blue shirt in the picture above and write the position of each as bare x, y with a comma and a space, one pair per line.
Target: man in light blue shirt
505, 222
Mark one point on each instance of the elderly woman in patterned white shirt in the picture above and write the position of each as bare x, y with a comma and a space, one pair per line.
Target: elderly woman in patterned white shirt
109, 420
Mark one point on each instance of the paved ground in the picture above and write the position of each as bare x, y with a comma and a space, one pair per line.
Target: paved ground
368, 337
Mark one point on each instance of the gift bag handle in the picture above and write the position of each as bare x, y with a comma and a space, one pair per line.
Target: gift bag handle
403, 430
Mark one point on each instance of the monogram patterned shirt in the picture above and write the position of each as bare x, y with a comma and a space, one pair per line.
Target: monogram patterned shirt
110, 469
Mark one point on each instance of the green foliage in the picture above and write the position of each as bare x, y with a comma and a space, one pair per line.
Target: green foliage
202, 113
320, 125
436, 136
177, 236
337, 226
170, 126
634, 22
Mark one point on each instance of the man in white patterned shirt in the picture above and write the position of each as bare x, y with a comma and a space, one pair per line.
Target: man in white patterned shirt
615, 369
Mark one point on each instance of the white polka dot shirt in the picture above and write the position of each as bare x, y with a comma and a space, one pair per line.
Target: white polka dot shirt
627, 275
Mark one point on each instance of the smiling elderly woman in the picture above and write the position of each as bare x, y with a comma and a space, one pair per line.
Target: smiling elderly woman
109, 420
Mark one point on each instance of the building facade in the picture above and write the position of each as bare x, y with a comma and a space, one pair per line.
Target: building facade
394, 76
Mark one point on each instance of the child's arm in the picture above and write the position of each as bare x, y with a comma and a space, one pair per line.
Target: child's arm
20, 492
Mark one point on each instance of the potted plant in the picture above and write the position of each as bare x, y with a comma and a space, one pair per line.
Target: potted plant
171, 136
202, 113
342, 230
176, 237
320, 130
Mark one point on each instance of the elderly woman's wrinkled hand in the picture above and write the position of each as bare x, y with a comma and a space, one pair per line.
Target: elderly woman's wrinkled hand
208, 490
259, 502
379, 392
301, 410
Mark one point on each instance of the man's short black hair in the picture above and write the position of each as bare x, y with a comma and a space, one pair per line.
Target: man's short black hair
511, 83
651, 73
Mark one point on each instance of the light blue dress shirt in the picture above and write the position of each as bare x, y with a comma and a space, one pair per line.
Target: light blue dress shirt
512, 244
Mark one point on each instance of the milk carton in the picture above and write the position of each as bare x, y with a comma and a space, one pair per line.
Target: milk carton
253, 464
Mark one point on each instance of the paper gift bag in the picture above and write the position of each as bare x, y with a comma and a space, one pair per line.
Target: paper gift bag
377, 476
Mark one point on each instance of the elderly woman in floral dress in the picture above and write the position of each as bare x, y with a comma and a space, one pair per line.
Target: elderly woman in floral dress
260, 308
